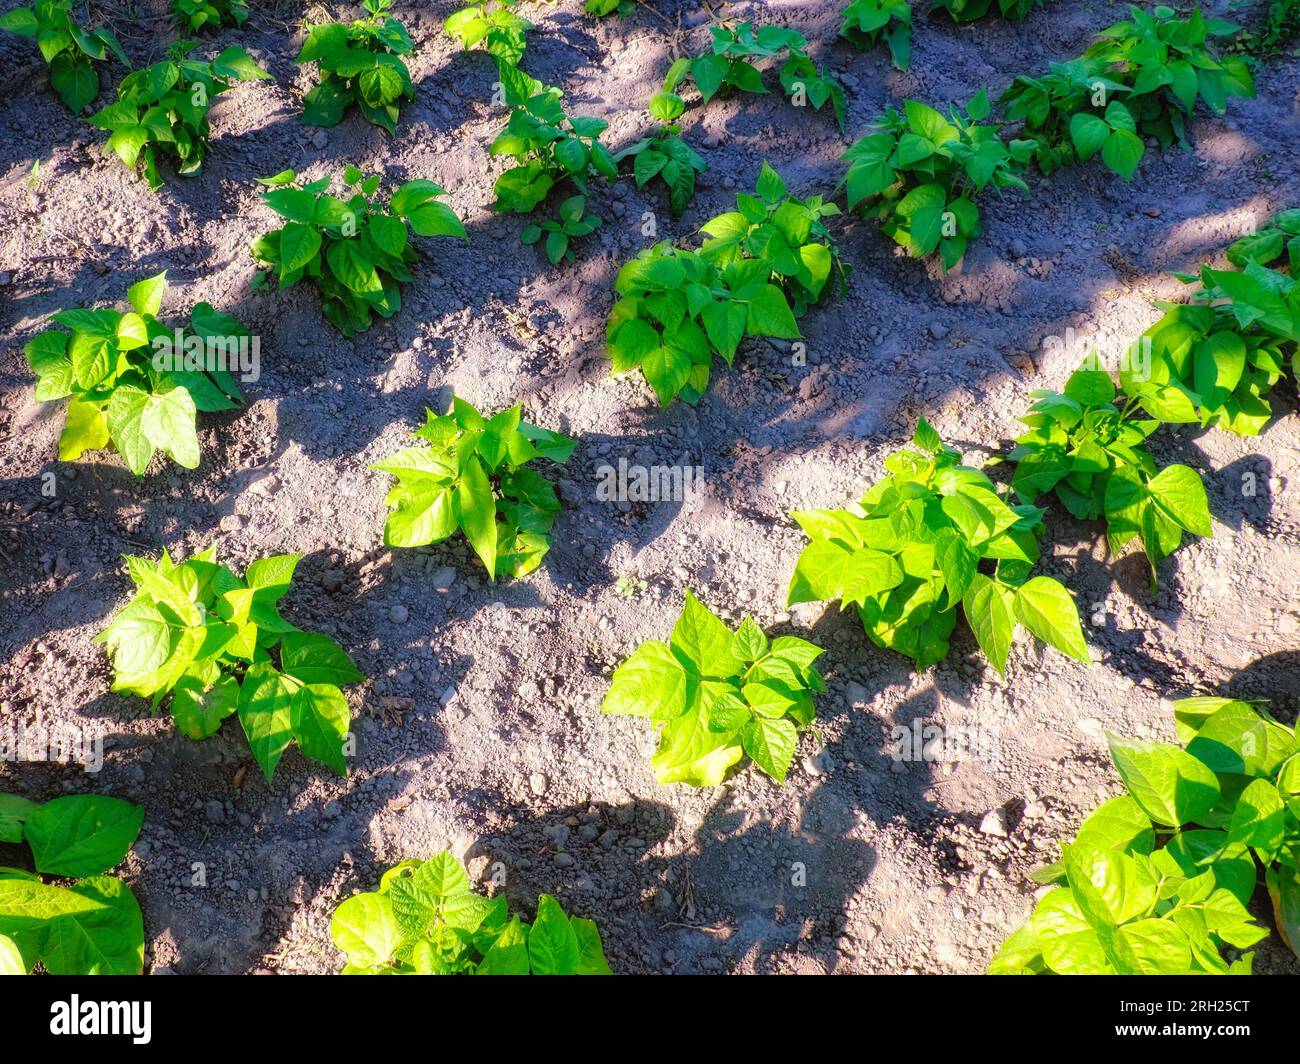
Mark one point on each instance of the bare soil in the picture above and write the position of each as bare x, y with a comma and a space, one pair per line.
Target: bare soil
479, 726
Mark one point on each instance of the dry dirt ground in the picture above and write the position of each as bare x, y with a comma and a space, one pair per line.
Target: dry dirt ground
479, 727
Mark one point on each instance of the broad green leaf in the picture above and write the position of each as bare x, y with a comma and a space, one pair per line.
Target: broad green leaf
85, 429
1260, 817
93, 927
650, 683
770, 314
168, 423
316, 659
364, 928
475, 509
146, 296
552, 943
1045, 607
126, 408
15, 810
199, 706
11, 960
1181, 494
771, 743
704, 641
989, 609
320, 717
82, 835
1153, 947
1109, 887
265, 701
508, 955
591, 953
1170, 785
1117, 824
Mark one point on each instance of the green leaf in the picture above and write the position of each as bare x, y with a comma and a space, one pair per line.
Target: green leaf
1122, 152
85, 429
1181, 494
125, 417
749, 642
1260, 817
146, 297
423, 515
436, 219
348, 262
508, 955
316, 659
591, 953
552, 943
771, 743
168, 423
1171, 786
320, 717
989, 611
770, 314
299, 246
692, 752
14, 812
1046, 608
725, 324
21, 20
434, 896
95, 926
82, 835
475, 508
1110, 887
1117, 824
75, 80
1089, 134
704, 641
1153, 947
819, 572
366, 930
650, 683
236, 63
265, 711
199, 705
11, 960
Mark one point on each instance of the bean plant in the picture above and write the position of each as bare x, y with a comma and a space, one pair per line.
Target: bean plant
211, 645
868, 22
732, 66
426, 919
194, 15
717, 696
70, 50
162, 110
761, 265
919, 174
1159, 881
356, 251
548, 147
664, 154
1092, 455
134, 384
931, 536
360, 64
88, 924
1141, 77
471, 474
